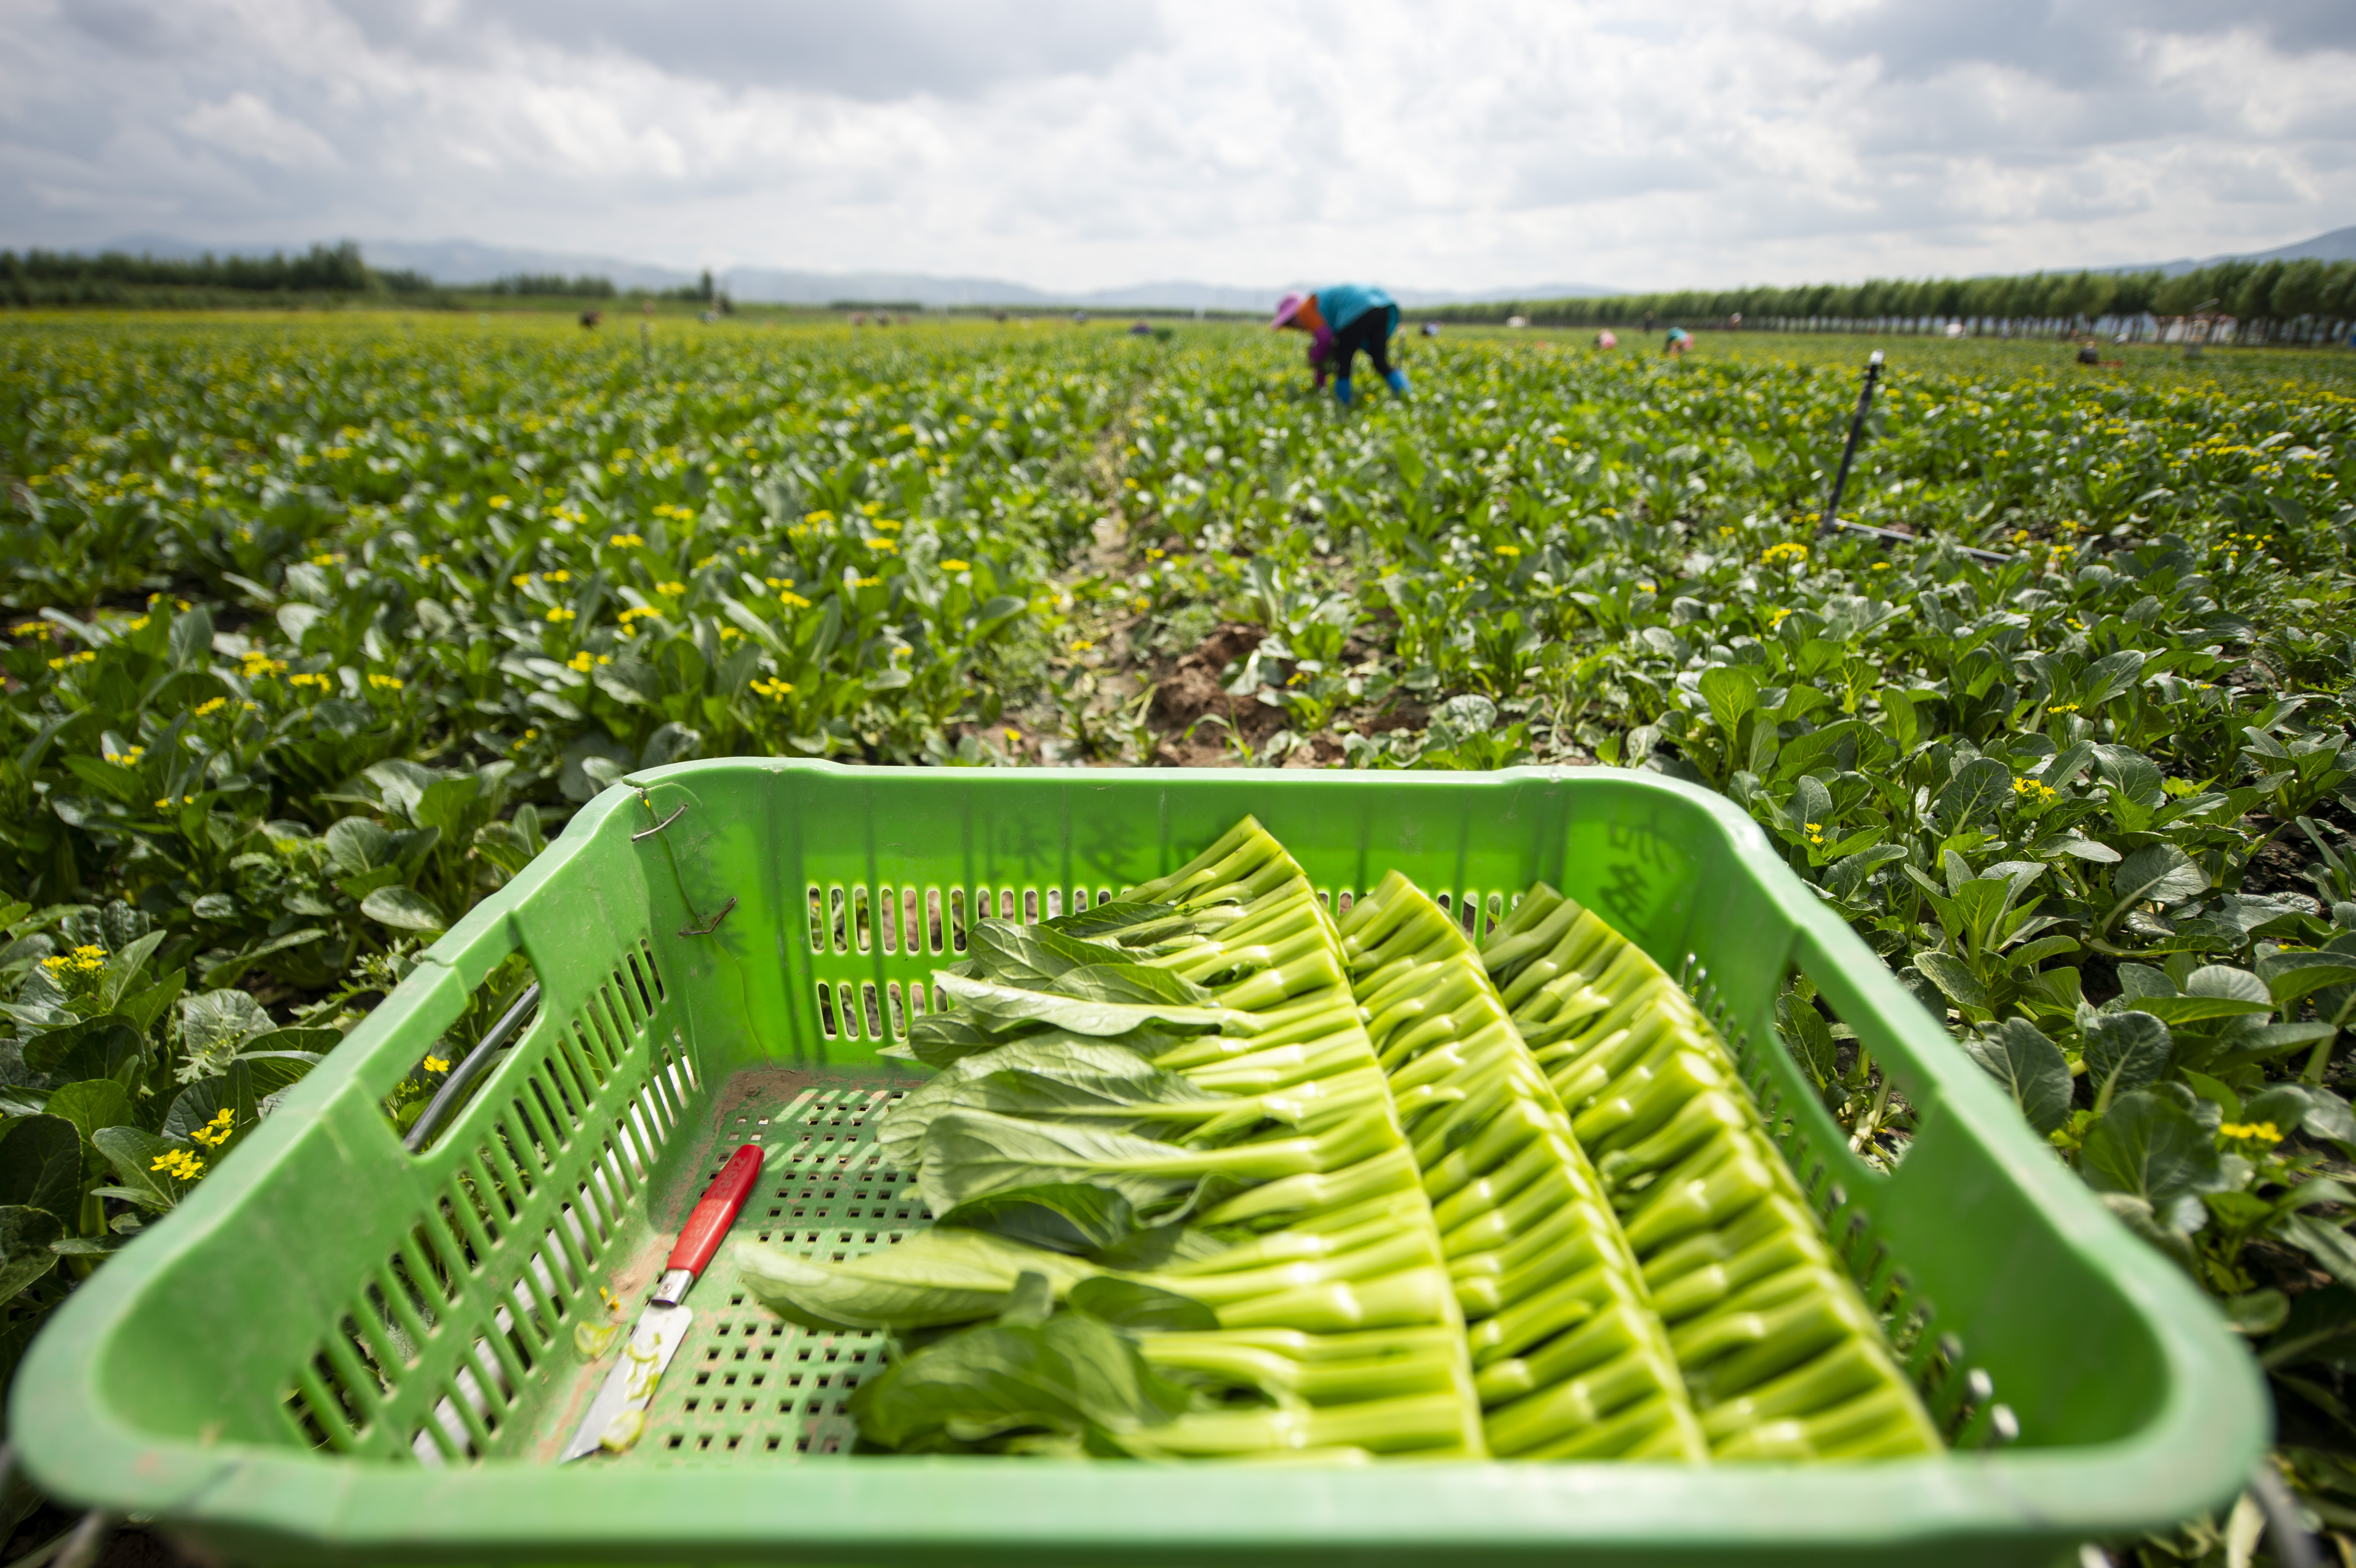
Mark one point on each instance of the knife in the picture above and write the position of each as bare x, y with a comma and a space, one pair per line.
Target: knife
617, 1413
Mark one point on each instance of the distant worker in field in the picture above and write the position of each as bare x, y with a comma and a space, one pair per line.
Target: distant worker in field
1343, 322
1680, 341
1607, 338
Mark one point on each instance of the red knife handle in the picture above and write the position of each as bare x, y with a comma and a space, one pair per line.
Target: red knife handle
716, 1211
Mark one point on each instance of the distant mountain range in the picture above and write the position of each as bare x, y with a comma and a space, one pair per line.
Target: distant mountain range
2339, 245
461, 261
458, 262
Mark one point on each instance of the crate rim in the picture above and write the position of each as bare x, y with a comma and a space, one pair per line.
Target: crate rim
2194, 1448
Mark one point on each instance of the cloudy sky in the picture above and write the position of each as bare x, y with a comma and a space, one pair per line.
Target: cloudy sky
1087, 143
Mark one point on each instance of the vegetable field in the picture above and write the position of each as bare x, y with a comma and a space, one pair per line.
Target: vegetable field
316, 629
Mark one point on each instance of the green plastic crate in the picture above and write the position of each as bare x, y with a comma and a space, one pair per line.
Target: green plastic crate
337, 1350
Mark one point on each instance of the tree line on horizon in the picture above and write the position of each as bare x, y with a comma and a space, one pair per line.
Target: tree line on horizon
38, 277
2300, 302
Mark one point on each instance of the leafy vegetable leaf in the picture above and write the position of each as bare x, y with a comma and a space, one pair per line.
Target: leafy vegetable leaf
1068, 1077
2031, 1067
2124, 1052
1073, 1377
25, 1250
40, 1164
1127, 1304
1978, 787
90, 1103
1954, 977
1066, 1216
2157, 873
972, 1153
2151, 1148
936, 1277
1131, 923
132, 1153
404, 909
1003, 1007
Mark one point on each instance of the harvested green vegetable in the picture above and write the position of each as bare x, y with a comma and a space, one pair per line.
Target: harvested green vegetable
1782, 1356
1162, 1156
1571, 1357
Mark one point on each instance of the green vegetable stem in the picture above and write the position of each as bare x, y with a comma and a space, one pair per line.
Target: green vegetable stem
1571, 1360
1783, 1359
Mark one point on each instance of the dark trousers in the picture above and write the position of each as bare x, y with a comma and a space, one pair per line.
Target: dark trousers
1370, 334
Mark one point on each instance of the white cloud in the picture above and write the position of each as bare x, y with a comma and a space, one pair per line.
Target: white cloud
1077, 144
242, 123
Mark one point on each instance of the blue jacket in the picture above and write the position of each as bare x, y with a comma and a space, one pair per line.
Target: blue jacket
1345, 302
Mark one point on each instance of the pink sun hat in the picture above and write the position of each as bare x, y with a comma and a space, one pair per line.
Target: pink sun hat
1285, 309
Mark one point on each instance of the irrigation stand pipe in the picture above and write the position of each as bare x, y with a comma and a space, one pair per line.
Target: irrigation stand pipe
1848, 457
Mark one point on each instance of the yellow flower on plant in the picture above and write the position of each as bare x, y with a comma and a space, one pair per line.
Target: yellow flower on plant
1082, 645
436, 1064
1789, 550
315, 682
791, 600
773, 689
886, 546
1509, 551
385, 682
501, 503
559, 615
625, 541
520, 579
85, 656
215, 1132
206, 709
954, 565
2063, 708
1816, 834
672, 590
556, 577
2265, 1133
867, 582
254, 667
130, 758
179, 1164
87, 959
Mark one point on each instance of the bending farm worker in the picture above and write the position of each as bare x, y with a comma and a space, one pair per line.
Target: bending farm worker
1343, 322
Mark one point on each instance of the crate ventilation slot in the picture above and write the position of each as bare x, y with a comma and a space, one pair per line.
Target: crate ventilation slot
513, 1242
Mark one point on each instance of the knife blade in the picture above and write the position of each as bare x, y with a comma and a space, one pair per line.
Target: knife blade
615, 1415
